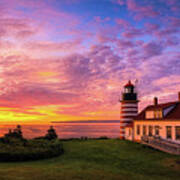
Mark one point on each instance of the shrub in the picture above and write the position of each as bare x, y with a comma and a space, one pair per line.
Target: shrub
51, 134
29, 150
103, 137
16, 133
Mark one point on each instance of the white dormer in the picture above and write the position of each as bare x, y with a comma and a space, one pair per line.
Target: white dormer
154, 114
149, 114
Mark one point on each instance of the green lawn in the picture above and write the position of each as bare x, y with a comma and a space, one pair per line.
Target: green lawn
96, 160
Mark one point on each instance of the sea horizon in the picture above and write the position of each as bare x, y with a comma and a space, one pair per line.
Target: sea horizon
87, 121
69, 129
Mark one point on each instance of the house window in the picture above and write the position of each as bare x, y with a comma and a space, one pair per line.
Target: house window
168, 132
149, 114
177, 131
157, 130
144, 130
138, 130
158, 114
154, 114
150, 130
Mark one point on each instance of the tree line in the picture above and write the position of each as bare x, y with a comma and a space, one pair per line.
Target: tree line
18, 134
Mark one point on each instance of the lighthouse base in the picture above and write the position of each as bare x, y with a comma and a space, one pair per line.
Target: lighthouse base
122, 138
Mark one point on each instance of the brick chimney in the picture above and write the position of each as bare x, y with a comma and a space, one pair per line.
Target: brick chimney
155, 101
179, 96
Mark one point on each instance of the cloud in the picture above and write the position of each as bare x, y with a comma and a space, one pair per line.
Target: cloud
142, 11
133, 33
151, 27
19, 27
123, 23
166, 32
173, 4
36, 95
152, 49
67, 46
125, 44
55, 64
78, 77
121, 2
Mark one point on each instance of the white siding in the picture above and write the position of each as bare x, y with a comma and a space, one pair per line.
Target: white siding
161, 124
129, 105
149, 114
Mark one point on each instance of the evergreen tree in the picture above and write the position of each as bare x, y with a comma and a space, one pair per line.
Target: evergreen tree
16, 133
51, 134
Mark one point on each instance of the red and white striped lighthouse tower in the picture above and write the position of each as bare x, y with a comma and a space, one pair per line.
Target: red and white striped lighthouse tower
129, 107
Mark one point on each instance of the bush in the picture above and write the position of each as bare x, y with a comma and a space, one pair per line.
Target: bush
16, 133
19, 150
103, 137
51, 134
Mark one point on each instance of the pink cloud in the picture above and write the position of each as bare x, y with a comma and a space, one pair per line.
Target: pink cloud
141, 10
72, 1
132, 52
124, 44
171, 80
123, 23
133, 33
84, 65
174, 5
98, 19
172, 41
36, 96
69, 46
175, 22
120, 2
95, 73
4, 44
103, 38
43, 14
25, 34
162, 33
106, 34
18, 28
152, 49
150, 27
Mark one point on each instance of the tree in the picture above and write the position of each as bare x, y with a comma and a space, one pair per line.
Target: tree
51, 134
16, 133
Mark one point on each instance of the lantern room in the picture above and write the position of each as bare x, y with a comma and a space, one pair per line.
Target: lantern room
128, 93
129, 88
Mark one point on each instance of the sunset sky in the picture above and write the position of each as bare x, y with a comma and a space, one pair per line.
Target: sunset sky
69, 59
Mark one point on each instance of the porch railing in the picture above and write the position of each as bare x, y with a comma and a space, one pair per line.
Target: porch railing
161, 144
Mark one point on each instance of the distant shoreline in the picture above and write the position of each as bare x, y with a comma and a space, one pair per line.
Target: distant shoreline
88, 121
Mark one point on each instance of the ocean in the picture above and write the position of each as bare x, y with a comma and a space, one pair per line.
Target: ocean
66, 130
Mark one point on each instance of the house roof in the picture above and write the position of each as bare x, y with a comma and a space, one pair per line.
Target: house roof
173, 114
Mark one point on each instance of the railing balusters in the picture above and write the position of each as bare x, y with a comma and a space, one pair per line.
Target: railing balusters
161, 144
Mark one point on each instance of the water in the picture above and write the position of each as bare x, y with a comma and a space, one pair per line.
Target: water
67, 130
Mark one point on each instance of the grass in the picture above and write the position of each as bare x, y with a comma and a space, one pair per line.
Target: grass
98, 160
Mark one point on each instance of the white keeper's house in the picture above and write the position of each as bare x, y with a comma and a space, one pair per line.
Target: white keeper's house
157, 120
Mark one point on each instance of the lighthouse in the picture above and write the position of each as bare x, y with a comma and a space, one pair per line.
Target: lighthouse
129, 107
